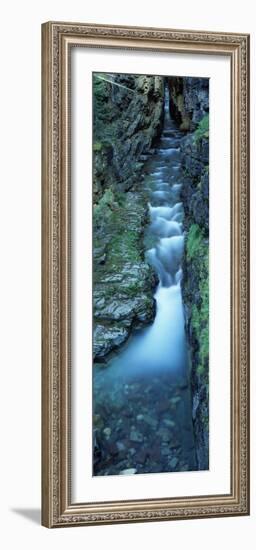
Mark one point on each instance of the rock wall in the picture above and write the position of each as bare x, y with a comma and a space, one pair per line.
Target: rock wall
189, 101
189, 106
128, 115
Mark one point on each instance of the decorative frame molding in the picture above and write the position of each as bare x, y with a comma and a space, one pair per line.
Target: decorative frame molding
57, 40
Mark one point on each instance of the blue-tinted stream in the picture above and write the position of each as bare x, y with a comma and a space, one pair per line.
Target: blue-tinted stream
142, 403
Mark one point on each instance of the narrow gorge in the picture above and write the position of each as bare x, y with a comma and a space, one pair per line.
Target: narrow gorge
150, 274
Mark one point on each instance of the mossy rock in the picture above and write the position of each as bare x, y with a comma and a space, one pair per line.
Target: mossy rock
202, 130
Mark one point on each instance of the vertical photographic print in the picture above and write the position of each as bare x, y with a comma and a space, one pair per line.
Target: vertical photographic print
150, 274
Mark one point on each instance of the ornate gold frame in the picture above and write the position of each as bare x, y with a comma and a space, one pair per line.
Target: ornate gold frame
57, 40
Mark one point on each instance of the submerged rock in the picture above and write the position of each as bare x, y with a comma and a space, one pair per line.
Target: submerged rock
107, 432
142, 455
136, 436
169, 423
128, 471
174, 463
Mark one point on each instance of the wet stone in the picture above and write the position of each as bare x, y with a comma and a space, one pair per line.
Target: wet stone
128, 471
173, 463
132, 451
120, 446
107, 432
163, 405
150, 420
164, 434
165, 451
173, 444
136, 436
111, 447
142, 455
175, 400
169, 423
155, 453
156, 468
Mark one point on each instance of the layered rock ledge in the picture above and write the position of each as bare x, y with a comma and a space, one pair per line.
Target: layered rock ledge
128, 115
123, 281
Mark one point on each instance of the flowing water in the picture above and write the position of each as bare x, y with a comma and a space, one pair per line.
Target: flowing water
142, 403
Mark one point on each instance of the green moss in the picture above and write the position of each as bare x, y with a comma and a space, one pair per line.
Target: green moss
132, 290
103, 145
106, 199
194, 240
103, 109
180, 102
200, 323
125, 244
197, 250
202, 130
103, 209
101, 90
97, 146
204, 334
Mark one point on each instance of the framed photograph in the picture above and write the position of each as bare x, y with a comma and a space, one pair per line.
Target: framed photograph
145, 274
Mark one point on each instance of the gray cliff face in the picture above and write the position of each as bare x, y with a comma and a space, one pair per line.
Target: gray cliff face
190, 105
196, 98
189, 101
128, 113
129, 117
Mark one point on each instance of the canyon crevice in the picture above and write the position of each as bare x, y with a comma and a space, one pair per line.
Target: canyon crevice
129, 129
